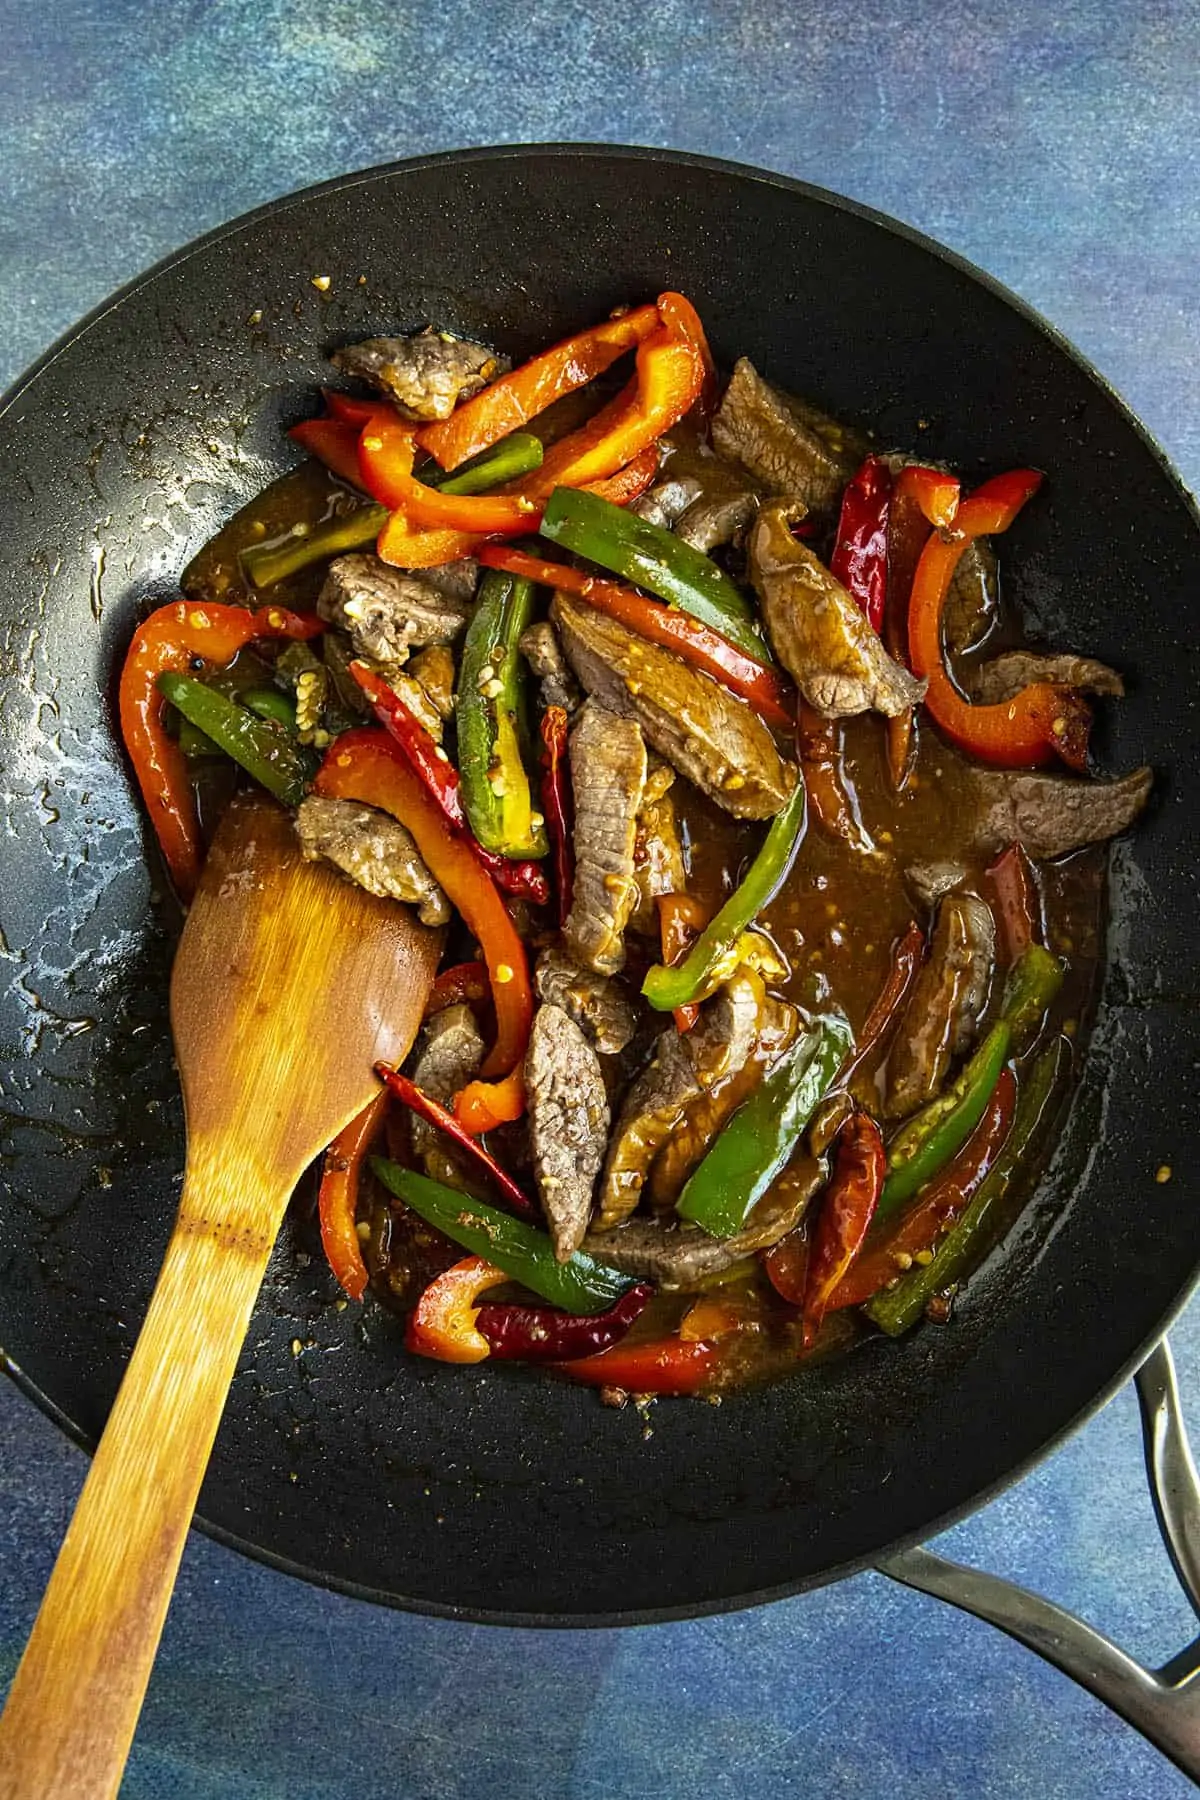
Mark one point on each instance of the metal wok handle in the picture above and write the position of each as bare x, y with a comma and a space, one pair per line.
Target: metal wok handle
1163, 1704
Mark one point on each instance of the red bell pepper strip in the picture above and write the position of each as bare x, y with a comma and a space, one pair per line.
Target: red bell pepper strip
370, 767
407, 546
680, 922
386, 452
521, 1333
698, 644
859, 560
1017, 903
349, 408
663, 1366
514, 875
443, 1322
937, 1207
463, 981
677, 312
1039, 723
786, 1264
631, 481
169, 641
482, 1105
333, 442
885, 1010
710, 1318
819, 749
337, 1200
432, 1110
935, 493
847, 1209
512, 400
557, 805
921, 498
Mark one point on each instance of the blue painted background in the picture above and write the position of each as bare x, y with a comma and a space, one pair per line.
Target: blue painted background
1057, 148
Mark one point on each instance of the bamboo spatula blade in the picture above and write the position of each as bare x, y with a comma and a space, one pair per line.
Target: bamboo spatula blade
289, 985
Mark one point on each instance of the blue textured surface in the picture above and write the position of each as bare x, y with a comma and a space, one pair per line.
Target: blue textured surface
1057, 148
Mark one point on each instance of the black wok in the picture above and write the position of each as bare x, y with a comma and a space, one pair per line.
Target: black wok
490, 1493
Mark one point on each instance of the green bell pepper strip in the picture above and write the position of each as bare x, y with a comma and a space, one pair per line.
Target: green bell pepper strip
265, 564
758, 1140
927, 1142
678, 985
899, 1307
579, 1285
488, 713
269, 703
518, 454
656, 560
274, 759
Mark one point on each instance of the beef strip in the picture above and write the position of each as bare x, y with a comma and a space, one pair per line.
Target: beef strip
818, 633
932, 881
425, 375
942, 1013
706, 732
716, 519
679, 1071
658, 861
597, 1004
1004, 676
448, 1055
680, 1256
608, 774
974, 597
541, 649
568, 1124
663, 503
372, 849
1051, 815
386, 612
455, 581
790, 447
433, 667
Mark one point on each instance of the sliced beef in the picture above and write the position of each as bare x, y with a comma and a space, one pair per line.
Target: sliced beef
663, 503
448, 1055
788, 446
930, 882
568, 1124
658, 861
608, 775
386, 612
1004, 676
942, 1013
679, 1071
425, 376
1051, 815
680, 1256
817, 631
716, 519
373, 849
338, 653
703, 730
433, 667
541, 649
455, 581
598, 1004
974, 597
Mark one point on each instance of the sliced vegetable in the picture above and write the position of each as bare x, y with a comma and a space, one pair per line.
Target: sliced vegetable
898, 1308
885, 1011
860, 551
762, 1134
387, 450
819, 748
516, 455
482, 1105
656, 560
1033, 982
847, 1208
488, 712
1039, 723
408, 546
443, 1324
557, 805
269, 703
674, 630
680, 922
512, 400
676, 311
917, 1232
260, 746
1016, 903
171, 640
547, 1334
928, 1140
579, 1285
934, 492
462, 981
426, 1107
333, 442
337, 1200
662, 1366
265, 564
631, 481
367, 766
668, 988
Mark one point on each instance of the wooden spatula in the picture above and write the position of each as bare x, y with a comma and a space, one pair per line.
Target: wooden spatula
288, 986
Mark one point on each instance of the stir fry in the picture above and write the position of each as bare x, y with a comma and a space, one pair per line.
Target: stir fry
763, 853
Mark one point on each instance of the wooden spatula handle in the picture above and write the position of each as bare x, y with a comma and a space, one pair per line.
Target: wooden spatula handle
70, 1717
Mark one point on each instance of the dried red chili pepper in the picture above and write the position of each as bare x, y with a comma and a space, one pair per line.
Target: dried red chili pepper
1018, 909
444, 1120
847, 1208
885, 1010
462, 981
521, 1333
860, 551
337, 1200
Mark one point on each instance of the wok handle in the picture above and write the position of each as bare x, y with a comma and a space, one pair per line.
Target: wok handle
1163, 1704
74, 1703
